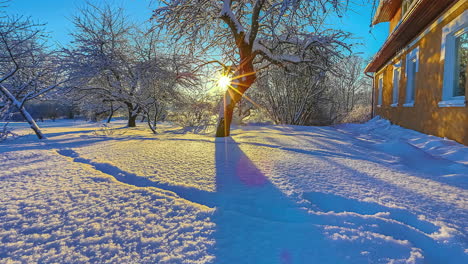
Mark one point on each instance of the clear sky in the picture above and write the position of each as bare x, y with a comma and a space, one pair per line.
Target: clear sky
57, 14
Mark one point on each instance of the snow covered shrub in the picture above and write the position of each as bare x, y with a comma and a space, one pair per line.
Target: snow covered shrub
104, 131
360, 114
4, 115
242, 112
297, 96
5, 132
195, 115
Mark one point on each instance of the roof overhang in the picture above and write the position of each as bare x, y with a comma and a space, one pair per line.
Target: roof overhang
386, 10
425, 12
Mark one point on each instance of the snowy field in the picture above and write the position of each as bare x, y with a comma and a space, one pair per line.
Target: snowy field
371, 193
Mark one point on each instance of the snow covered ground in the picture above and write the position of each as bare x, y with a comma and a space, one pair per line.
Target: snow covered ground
371, 193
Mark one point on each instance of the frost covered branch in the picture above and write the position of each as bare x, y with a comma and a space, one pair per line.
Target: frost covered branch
252, 34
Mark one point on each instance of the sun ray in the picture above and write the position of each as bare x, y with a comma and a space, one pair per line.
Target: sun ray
240, 84
245, 96
243, 75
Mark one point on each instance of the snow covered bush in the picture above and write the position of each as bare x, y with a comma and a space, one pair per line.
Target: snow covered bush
359, 114
195, 113
349, 88
304, 95
104, 131
5, 132
296, 97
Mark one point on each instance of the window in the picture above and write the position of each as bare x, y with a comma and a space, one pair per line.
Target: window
379, 102
405, 7
461, 63
396, 80
461, 49
455, 51
412, 66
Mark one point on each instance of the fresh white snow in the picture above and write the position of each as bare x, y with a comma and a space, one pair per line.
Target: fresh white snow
353, 193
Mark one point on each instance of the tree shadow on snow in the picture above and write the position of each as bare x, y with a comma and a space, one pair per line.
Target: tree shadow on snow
257, 223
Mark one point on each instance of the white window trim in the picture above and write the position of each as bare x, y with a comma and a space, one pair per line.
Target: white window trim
453, 103
411, 55
452, 27
380, 90
396, 92
450, 32
408, 104
414, 54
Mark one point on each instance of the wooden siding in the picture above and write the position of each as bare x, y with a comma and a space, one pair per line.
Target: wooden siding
426, 116
423, 13
395, 20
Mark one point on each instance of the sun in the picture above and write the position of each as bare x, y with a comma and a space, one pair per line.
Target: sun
224, 82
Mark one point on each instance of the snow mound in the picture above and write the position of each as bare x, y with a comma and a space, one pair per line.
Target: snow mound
385, 131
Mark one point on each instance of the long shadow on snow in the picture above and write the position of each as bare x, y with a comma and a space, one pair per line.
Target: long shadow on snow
30, 142
191, 194
256, 222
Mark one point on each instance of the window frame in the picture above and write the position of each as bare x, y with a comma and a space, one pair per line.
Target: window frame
451, 32
380, 85
411, 58
396, 84
406, 7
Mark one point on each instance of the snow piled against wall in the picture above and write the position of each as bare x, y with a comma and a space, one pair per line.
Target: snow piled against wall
436, 146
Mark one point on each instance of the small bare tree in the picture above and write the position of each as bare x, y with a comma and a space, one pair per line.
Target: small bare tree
120, 63
249, 32
345, 86
28, 69
297, 96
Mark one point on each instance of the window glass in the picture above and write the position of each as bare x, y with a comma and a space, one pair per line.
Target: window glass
411, 81
461, 48
396, 79
380, 90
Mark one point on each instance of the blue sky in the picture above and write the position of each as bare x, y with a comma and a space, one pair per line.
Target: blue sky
57, 14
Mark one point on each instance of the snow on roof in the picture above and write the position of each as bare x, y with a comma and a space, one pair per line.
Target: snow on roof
386, 10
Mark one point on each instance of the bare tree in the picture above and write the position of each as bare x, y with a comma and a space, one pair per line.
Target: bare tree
100, 60
28, 69
249, 33
345, 85
297, 96
119, 63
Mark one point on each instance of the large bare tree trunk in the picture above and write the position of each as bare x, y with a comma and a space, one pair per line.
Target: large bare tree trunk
132, 115
243, 79
23, 112
111, 113
132, 120
225, 116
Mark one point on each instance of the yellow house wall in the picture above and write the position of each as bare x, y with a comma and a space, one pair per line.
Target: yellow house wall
395, 20
426, 116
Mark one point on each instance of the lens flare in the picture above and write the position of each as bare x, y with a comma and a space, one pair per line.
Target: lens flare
224, 82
